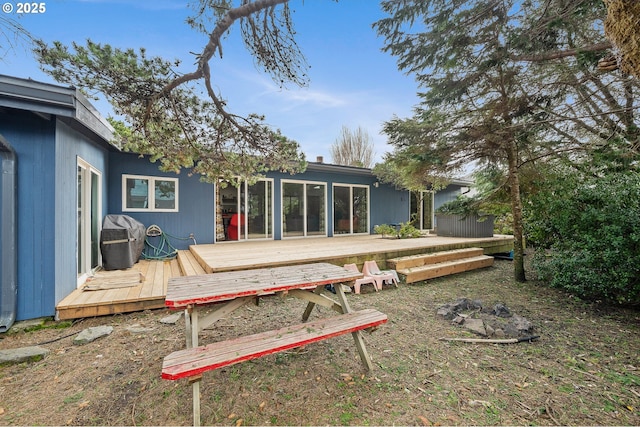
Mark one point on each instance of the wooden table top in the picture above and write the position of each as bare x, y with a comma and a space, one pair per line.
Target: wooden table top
208, 288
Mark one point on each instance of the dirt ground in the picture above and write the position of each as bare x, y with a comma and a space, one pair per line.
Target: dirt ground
583, 370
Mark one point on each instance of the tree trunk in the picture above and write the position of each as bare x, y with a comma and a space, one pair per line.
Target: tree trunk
516, 210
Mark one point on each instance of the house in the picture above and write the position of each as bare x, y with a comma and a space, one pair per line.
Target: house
61, 176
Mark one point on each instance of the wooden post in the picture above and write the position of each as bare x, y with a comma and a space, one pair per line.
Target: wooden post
195, 386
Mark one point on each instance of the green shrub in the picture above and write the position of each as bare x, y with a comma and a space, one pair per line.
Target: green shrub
385, 230
405, 231
408, 231
587, 233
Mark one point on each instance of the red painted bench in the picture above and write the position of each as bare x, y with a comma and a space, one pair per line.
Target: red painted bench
192, 362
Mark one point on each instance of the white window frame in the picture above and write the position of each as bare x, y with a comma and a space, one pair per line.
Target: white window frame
151, 195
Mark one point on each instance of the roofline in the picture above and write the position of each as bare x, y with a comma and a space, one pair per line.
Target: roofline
329, 167
66, 102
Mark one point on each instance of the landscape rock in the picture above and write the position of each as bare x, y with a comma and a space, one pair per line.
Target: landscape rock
501, 310
476, 326
138, 329
450, 311
521, 323
172, 319
91, 334
22, 354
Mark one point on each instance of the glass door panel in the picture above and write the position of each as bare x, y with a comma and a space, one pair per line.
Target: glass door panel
292, 209
341, 210
259, 216
360, 210
89, 215
315, 214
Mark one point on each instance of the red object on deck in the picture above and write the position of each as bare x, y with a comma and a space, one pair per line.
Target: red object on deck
236, 223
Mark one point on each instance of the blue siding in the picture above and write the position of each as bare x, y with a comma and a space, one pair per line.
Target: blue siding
197, 202
195, 198
33, 140
70, 145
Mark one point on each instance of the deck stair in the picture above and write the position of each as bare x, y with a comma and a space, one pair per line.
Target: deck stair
428, 266
189, 265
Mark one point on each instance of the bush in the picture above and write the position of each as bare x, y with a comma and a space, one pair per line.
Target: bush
384, 230
405, 231
587, 234
408, 231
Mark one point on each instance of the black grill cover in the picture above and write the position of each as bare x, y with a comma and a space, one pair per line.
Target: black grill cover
121, 241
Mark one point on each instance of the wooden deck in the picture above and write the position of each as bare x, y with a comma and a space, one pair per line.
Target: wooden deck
336, 250
146, 295
150, 294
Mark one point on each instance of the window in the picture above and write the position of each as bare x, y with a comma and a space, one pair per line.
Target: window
148, 193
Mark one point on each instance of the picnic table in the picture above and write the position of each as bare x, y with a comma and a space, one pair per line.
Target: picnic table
228, 291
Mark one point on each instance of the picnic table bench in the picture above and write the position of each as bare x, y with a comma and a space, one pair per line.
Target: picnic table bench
231, 290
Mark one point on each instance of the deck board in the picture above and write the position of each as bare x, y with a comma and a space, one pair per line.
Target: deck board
237, 256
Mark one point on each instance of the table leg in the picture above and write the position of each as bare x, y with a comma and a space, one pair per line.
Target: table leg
196, 402
357, 335
191, 325
310, 305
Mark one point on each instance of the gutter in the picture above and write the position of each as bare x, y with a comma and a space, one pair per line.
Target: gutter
8, 236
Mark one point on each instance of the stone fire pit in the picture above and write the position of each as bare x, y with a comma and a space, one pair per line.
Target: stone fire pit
489, 322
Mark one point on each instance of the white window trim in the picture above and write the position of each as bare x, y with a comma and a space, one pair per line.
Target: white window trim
152, 194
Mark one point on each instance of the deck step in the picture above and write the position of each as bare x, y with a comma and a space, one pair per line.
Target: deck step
195, 361
189, 264
403, 263
430, 271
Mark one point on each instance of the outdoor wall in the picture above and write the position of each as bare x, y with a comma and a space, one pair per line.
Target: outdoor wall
71, 144
32, 138
195, 201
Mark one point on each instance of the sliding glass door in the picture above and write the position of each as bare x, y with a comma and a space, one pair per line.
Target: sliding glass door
88, 208
303, 209
350, 209
422, 210
245, 212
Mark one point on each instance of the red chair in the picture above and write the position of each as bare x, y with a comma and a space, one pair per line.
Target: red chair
236, 227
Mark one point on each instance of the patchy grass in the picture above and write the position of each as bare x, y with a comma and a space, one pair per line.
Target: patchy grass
583, 370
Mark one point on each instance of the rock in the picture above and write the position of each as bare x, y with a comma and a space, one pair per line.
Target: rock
490, 330
521, 323
91, 334
475, 325
501, 310
446, 311
458, 320
137, 329
172, 319
23, 354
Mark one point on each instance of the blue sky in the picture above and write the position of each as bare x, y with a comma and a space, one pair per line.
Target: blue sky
352, 82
